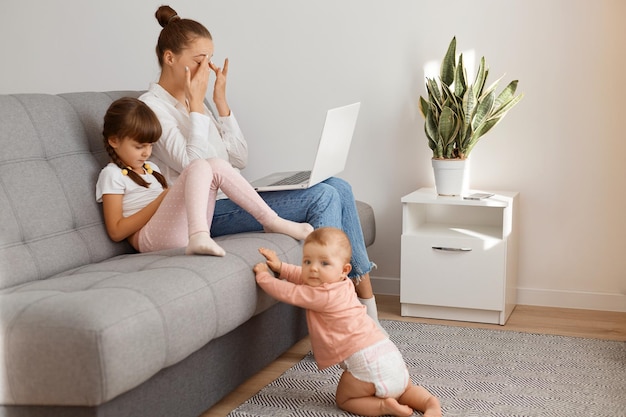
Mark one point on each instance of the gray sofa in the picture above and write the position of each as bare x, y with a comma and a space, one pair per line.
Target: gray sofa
87, 326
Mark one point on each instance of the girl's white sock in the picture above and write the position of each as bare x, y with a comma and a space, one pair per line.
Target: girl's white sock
201, 244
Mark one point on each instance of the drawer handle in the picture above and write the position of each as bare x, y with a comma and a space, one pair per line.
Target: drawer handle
446, 249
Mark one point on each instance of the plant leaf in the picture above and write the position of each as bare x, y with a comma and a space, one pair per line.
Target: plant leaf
433, 93
451, 99
491, 88
448, 63
504, 108
469, 109
483, 110
430, 128
448, 126
506, 95
424, 107
460, 79
479, 132
484, 128
481, 77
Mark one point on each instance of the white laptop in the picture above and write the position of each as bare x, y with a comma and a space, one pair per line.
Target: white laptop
331, 157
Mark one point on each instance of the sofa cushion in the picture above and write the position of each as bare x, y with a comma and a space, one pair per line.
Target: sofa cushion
49, 219
88, 335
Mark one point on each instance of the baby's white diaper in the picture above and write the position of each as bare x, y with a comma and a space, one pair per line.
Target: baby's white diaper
381, 364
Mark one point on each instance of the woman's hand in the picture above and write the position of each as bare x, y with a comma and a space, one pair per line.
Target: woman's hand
196, 85
219, 89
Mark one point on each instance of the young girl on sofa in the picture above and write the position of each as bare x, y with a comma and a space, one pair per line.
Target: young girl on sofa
139, 204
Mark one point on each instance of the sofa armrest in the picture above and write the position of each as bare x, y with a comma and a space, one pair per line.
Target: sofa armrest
368, 222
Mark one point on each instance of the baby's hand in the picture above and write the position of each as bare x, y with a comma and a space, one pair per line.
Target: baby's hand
273, 262
260, 267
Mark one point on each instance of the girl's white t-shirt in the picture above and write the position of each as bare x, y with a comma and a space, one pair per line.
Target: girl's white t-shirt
112, 181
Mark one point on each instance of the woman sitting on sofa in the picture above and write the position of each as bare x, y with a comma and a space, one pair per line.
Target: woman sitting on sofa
191, 131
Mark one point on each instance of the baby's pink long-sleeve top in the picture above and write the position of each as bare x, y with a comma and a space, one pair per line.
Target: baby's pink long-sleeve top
338, 323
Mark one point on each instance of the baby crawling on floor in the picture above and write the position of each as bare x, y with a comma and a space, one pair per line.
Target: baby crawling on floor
375, 380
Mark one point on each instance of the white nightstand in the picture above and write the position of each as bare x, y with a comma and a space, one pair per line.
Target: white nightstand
459, 257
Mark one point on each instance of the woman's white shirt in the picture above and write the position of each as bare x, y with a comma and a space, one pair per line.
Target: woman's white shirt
112, 181
189, 136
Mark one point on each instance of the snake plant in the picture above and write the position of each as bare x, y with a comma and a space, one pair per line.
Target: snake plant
456, 113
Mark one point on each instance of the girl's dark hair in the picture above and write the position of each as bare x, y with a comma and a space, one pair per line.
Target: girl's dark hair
176, 33
126, 118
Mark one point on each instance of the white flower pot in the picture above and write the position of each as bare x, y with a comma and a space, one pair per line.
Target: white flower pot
451, 176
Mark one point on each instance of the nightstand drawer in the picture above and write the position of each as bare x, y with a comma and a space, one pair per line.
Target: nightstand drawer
453, 272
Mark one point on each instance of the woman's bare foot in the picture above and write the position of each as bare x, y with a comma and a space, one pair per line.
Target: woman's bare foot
298, 231
201, 244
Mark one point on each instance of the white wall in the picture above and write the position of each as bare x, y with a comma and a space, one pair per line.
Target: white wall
291, 60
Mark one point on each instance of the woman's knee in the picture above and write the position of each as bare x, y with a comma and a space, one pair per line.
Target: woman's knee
342, 186
325, 194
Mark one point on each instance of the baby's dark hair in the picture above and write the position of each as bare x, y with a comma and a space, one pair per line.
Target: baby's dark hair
327, 236
131, 118
177, 33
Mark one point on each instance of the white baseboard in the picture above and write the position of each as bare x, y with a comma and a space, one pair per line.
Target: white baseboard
385, 285
572, 299
535, 296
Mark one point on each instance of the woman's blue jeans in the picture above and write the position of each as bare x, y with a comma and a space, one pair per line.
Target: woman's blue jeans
330, 203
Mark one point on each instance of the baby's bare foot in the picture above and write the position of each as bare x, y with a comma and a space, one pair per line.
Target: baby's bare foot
296, 230
393, 407
433, 408
201, 244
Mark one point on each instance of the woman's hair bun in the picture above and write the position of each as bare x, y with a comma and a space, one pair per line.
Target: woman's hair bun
165, 14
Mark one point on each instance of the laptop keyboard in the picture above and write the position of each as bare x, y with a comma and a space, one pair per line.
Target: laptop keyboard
296, 178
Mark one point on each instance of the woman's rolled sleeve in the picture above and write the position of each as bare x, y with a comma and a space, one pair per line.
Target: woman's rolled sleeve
234, 141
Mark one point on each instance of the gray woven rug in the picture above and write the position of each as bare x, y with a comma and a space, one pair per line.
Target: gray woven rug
474, 372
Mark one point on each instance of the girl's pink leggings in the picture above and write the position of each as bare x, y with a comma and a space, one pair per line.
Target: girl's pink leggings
188, 206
